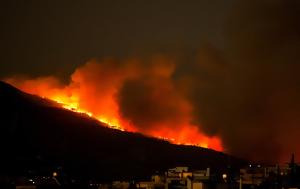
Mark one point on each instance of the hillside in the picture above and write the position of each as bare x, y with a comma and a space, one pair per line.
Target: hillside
37, 136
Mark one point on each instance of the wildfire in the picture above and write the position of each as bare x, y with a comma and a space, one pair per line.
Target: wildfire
127, 98
72, 103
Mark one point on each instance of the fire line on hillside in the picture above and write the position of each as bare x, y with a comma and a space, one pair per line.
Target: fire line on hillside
127, 97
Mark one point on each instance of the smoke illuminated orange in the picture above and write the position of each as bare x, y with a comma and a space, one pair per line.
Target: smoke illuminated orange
94, 88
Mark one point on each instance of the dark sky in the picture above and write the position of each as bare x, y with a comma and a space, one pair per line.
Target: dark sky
53, 37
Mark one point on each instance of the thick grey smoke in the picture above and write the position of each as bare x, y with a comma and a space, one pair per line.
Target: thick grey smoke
250, 93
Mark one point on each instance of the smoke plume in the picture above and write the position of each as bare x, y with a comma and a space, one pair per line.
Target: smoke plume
249, 94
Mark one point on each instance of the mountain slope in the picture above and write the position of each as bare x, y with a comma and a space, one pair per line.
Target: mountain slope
39, 136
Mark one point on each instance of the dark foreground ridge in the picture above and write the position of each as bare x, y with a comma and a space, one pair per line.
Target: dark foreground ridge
38, 137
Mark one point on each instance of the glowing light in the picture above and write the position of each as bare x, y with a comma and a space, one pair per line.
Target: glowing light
54, 174
224, 176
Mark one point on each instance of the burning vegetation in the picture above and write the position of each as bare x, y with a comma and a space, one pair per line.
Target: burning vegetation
128, 95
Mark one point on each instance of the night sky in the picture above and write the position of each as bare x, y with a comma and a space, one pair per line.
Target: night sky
235, 62
54, 37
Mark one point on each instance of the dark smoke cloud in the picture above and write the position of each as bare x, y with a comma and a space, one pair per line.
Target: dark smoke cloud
153, 101
250, 93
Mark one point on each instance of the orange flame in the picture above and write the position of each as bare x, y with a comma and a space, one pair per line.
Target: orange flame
93, 89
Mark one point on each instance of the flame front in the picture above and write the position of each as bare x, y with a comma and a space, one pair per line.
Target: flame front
127, 96
73, 105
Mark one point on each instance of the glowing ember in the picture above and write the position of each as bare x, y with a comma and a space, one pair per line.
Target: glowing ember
128, 97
